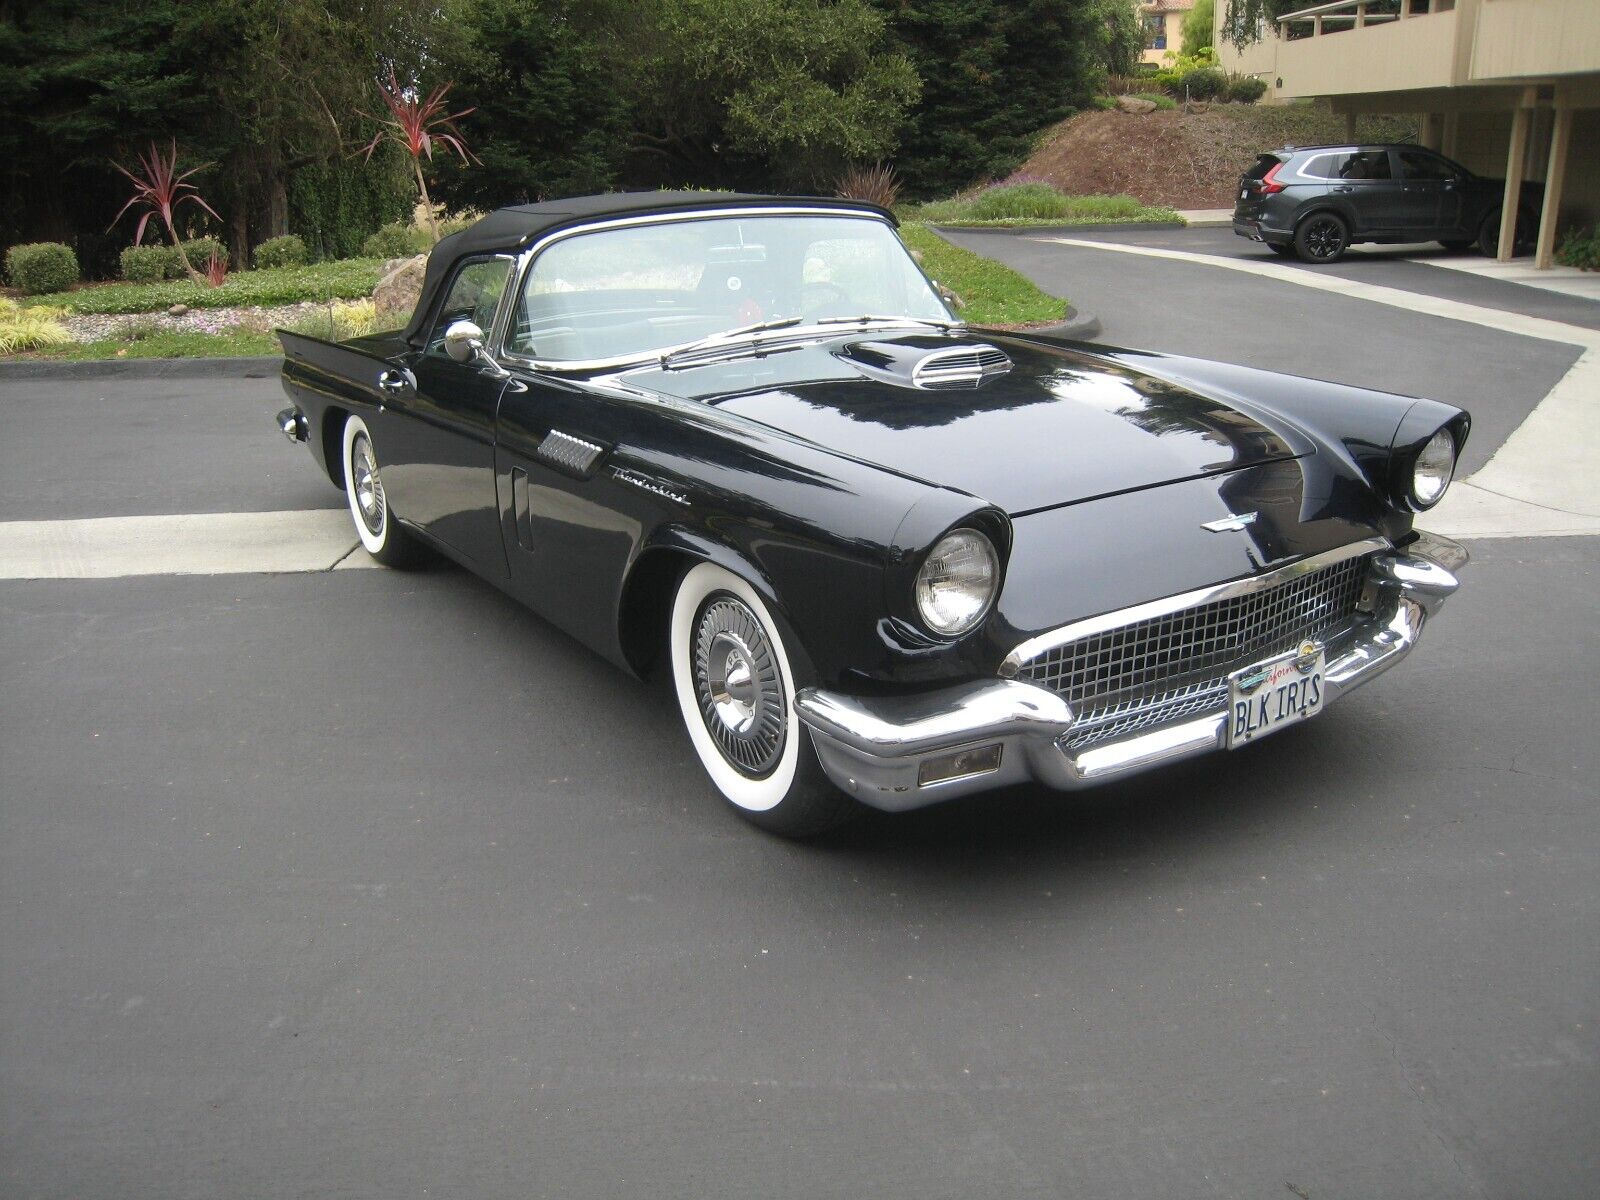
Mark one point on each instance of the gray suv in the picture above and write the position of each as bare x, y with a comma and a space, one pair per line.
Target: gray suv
1317, 201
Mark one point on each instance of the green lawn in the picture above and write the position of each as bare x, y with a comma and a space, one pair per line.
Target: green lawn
346, 279
994, 294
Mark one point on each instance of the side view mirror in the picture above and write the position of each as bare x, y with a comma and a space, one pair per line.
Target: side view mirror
463, 342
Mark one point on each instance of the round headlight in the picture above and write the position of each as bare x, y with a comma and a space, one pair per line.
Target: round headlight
1433, 470
957, 583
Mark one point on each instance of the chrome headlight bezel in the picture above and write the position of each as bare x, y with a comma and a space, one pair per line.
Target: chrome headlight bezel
1432, 470
962, 558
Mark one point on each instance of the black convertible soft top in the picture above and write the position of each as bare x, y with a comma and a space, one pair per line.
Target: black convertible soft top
508, 230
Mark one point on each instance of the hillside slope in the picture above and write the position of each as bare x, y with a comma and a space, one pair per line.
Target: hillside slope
1185, 160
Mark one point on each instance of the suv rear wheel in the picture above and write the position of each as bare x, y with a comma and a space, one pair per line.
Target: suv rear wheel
1321, 238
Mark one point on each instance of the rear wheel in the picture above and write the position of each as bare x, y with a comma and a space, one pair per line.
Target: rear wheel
382, 537
1489, 235
1321, 238
735, 689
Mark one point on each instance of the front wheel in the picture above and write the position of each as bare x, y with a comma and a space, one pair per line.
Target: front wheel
735, 688
1321, 238
369, 503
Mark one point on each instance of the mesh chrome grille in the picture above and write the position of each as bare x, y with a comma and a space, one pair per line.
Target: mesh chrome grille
1168, 668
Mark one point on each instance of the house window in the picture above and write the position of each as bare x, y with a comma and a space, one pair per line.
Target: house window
1155, 31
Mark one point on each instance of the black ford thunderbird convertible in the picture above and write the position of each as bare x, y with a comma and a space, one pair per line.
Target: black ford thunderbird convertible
886, 558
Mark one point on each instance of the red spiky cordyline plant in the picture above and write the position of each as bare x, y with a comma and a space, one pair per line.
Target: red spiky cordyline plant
416, 122
160, 190
216, 269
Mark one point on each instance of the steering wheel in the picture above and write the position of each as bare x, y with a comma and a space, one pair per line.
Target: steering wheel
835, 294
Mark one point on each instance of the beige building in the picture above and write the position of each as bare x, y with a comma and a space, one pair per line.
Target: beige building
1509, 88
1163, 28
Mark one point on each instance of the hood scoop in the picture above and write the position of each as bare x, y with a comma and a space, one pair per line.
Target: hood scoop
961, 367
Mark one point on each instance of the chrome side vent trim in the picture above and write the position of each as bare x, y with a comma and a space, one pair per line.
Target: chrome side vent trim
962, 367
567, 453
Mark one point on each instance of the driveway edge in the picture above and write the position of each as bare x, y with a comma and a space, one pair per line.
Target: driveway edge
145, 368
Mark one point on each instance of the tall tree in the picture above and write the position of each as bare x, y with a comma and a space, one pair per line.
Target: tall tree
771, 93
994, 73
1198, 22
549, 118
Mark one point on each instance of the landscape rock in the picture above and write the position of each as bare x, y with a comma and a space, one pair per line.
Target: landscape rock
398, 291
1132, 104
177, 310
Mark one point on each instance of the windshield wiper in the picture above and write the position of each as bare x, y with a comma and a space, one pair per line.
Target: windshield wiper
725, 340
873, 318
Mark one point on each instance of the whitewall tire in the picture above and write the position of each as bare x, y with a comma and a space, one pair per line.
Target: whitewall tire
375, 525
735, 688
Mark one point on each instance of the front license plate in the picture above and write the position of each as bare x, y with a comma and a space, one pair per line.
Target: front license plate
1269, 695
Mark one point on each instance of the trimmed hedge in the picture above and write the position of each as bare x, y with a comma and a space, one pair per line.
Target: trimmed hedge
149, 264
396, 241
286, 251
199, 251
1246, 89
39, 267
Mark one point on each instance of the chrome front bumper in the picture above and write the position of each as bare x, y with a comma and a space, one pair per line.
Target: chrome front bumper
880, 749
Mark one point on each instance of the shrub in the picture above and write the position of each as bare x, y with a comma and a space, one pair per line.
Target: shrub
202, 250
1157, 99
215, 270
396, 241
149, 264
42, 267
286, 251
1581, 249
877, 184
1246, 89
1168, 81
339, 321
1034, 201
33, 328
1204, 83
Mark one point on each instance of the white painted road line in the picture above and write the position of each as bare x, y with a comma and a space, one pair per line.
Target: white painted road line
186, 544
1542, 481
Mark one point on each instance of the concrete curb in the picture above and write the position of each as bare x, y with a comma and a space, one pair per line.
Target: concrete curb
145, 368
1078, 327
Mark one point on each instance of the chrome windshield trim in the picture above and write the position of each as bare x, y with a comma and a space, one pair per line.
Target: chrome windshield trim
525, 261
1068, 634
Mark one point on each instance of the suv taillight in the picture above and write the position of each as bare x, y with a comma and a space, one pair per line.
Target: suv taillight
1269, 181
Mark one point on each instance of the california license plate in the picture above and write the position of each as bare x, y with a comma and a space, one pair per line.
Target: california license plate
1269, 695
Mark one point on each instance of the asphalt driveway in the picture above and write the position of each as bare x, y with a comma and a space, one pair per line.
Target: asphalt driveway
361, 883
1209, 312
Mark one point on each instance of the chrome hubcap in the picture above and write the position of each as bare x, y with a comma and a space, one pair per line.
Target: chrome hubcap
368, 487
739, 687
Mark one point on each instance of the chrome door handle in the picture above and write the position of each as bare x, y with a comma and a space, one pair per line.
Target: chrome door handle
394, 382
1346, 188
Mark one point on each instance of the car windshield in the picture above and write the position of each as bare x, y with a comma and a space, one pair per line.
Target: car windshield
623, 293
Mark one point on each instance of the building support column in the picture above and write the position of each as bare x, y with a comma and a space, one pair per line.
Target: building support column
1450, 135
1431, 134
1555, 176
1516, 155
